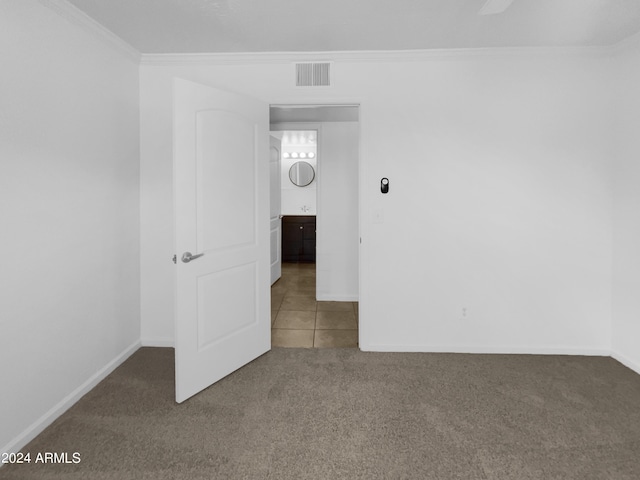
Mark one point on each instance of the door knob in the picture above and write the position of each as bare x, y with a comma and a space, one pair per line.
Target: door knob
187, 257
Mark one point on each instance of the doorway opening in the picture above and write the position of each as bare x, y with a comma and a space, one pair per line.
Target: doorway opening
314, 225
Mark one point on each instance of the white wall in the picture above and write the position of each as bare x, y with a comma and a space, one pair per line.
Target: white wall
500, 200
626, 231
337, 223
499, 204
69, 199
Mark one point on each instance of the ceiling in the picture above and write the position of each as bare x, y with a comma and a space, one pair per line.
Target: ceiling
218, 26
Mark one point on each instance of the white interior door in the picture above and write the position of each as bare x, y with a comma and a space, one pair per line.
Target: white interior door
275, 222
221, 189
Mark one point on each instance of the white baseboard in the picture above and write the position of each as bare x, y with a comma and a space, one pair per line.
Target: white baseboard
158, 342
48, 418
626, 361
327, 297
592, 352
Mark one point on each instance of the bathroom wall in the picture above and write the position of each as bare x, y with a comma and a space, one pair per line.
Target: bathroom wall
337, 207
298, 200
338, 223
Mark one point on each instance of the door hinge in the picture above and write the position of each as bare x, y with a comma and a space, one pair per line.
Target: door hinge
175, 259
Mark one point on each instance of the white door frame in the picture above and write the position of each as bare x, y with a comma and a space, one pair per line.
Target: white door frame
363, 333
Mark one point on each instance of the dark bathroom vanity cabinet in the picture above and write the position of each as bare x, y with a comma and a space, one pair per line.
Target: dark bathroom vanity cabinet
298, 238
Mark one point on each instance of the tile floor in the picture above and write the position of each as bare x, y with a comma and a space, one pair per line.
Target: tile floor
298, 320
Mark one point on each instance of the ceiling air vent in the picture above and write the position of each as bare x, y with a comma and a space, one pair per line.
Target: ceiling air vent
312, 75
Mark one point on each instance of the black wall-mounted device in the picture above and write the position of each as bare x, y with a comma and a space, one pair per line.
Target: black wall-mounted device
384, 185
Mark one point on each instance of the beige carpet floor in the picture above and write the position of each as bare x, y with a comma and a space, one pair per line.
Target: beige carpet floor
346, 414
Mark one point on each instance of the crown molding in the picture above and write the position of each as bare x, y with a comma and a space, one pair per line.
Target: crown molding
239, 58
179, 59
76, 16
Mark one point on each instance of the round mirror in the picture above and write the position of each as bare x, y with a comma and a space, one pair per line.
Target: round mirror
301, 174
